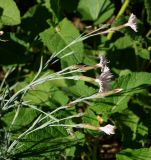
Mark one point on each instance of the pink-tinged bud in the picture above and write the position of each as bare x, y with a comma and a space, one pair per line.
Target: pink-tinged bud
132, 22
108, 129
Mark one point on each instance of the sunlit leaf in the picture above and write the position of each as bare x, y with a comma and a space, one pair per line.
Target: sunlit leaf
134, 154
131, 83
9, 13
61, 36
97, 10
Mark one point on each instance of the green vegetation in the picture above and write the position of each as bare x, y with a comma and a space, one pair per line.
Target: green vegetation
60, 98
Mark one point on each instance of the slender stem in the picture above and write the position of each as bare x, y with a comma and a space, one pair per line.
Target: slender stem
15, 142
41, 80
94, 96
34, 107
148, 33
5, 77
120, 13
52, 123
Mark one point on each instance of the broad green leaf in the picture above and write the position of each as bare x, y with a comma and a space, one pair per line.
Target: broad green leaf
147, 4
58, 38
134, 154
120, 103
88, 60
46, 139
70, 151
10, 14
124, 42
96, 10
90, 118
82, 90
131, 83
102, 108
140, 50
45, 94
40, 95
139, 109
144, 53
142, 129
133, 125
107, 10
24, 118
60, 97
50, 140
90, 9
129, 123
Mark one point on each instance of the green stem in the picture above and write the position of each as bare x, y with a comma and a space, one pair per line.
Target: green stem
149, 33
120, 13
94, 153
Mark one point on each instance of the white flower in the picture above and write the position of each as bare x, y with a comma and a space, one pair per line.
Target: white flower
108, 129
100, 84
104, 79
132, 22
106, 69
1, 33
103, 62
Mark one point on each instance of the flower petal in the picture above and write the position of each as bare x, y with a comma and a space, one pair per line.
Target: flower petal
108, 129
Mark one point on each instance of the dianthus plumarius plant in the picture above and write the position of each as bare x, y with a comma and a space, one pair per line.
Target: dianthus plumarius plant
14, 100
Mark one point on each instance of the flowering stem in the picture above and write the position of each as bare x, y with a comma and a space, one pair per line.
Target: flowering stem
94, 96
86, 68
121, 11
87, 79
88, 126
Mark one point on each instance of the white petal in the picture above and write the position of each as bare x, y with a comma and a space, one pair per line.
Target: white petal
108, 129
132, 22
1, 33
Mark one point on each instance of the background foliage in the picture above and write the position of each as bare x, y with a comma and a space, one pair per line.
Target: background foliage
36, 28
